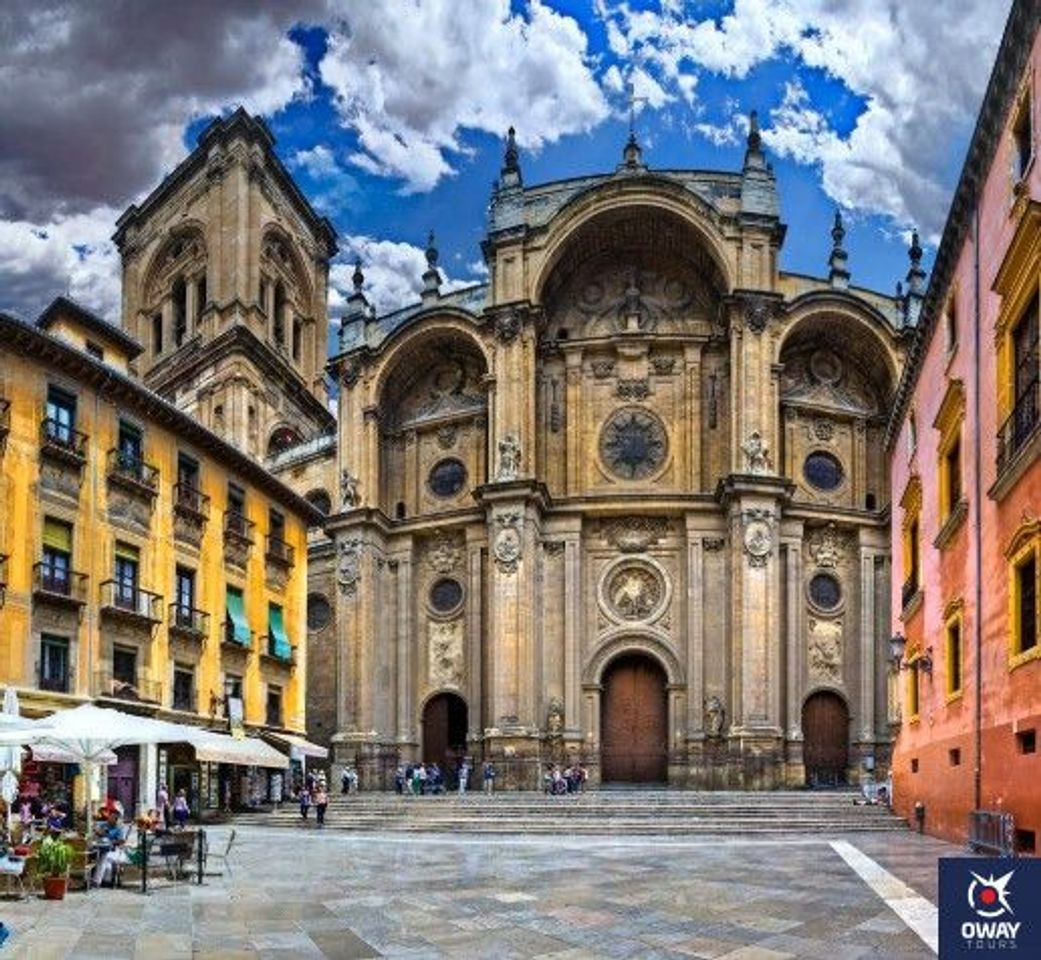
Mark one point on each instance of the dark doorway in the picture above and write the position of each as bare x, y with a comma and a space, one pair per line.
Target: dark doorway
122, 780
634, 722
444, 730
825, 732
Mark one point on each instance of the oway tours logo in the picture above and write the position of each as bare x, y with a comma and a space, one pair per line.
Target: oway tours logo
989, 904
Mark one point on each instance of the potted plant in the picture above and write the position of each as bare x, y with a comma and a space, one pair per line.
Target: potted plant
55, 856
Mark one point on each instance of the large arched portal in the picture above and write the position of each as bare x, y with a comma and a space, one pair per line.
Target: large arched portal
634, 721
825, 731
444, 730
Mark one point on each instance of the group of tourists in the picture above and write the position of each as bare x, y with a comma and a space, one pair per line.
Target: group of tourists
314, 792
422, 779
557, 782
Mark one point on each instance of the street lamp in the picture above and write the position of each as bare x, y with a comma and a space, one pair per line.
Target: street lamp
922, 661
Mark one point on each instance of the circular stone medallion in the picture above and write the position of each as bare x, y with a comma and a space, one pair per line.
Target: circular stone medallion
633, 443
635, 592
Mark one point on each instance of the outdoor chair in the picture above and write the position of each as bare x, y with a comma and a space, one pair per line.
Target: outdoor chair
222, 857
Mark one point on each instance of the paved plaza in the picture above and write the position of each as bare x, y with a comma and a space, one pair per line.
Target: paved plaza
301, 893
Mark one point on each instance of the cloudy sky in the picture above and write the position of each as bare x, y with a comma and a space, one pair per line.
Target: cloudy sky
391, 115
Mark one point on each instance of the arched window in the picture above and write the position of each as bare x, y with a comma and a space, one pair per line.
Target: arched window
320, 500
179, 295
298, 332
282, 439
279, 324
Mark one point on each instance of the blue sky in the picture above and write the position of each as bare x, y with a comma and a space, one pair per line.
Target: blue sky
391, 116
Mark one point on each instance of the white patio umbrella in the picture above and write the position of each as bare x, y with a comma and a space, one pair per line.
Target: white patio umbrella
10, 756
88, 734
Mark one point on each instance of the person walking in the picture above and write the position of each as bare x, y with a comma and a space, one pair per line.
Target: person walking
321, 801
464, 776
162, 801
181, 809
305, 802
489, 778
345, 780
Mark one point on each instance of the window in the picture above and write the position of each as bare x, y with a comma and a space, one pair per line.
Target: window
124, 665
57, 556
233, 692
279, 320
446, 595
1024, 614
95, 351
914, 765
187, 471
1026, 741
184, 595
948, 422
183, 687
298, 334
179, 295
274, 706
447, 477
823, 470
157, 335
54, 663
276, 525
200, 296
278, 641
319, 612
1026, 369
1022, 139
236, 499
262, 296
953, 654
129, 450
61, 416
127, 561
912, 435
913, 566
825, 591
236, 627
912, 692
954, 757
950, 325
911, 504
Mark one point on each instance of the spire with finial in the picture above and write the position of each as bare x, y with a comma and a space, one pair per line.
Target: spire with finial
510, 175
632, 153
838, 273
431, 277
358, 307
755, 140
915, 282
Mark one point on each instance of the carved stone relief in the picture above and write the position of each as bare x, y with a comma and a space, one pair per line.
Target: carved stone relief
507, 547
828, 546
445, 554
445, 653
635, 592
635, 534
348, 567
825, 649
758, 536
509, 458
757, 455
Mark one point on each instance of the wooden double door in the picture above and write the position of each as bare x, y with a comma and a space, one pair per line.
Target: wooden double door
825, 733
634, 722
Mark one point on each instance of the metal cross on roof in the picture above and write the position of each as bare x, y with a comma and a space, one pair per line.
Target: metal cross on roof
630, 88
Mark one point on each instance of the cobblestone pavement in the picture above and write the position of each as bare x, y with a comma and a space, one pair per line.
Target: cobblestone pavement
300, 895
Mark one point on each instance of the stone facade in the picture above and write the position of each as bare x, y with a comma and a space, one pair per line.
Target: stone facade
640, 443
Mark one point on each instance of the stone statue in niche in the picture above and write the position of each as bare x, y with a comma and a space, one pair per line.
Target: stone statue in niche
715, 716
509, 458
757, 456
348, 489
555, 716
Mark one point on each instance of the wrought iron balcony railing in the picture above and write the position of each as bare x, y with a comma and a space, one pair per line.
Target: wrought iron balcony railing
227, 636
908, 591
189, 500
54, 681
127, 468
56, 582
278, 551
1020, 426
61, 440
122, 687
237, 527
131, 600
188, 622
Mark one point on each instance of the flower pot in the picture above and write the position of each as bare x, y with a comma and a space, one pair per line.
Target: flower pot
54, 887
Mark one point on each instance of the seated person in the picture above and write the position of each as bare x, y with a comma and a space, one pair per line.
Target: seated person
56, 819
110, 833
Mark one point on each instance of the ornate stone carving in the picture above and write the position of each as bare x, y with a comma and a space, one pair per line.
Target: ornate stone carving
553, 548
509, 458
348, 566
555, 716
663, 364
348, 490
758, 536
446, 437
507, 325
57, 478
827, 546
633, 443
636, 534
757, 454
130, 510
759, 311
712, 544
825, 649
445, 555
823, 429
715, 716
635, 592
446, 653
602, 369
636, 389
507, 548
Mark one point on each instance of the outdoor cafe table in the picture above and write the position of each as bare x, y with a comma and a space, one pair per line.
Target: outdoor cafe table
13, 867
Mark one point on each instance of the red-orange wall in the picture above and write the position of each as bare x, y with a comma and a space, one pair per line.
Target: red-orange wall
1011, 700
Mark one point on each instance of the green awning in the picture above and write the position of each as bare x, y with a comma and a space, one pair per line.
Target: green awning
57, 535
237, 616
280, 646
127, 551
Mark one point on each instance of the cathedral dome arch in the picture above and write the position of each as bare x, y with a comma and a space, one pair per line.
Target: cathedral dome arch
281, 259
661, 216
625, 641
816, 689
183, 250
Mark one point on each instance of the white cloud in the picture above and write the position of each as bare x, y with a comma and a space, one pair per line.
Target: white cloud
920, 70
318, 162
410, 78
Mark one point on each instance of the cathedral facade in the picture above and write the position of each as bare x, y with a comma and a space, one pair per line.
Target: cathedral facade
626, 504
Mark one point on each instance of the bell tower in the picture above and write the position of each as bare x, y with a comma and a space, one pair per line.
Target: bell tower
225, 274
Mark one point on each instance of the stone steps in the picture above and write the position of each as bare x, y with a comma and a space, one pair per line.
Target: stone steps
663, 812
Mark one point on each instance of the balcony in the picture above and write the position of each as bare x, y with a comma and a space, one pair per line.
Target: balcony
3, 578
272, 659
237, 528
55, 584
61, 442
1020, 427
129, 602
53, 683
228, 642
191, 503
135, 689
279, 552
132, 472
908, 591
187, 623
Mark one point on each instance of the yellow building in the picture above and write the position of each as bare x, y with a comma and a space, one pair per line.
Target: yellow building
145, 560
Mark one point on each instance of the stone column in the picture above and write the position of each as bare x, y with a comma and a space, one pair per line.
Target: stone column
574, 621
477, 648
795, 657
405, 645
